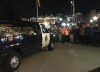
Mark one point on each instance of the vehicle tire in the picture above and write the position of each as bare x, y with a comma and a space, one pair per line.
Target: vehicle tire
51, 46
12, 62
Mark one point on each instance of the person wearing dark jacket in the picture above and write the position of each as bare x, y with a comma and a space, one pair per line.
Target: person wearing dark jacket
75, 32
87, 35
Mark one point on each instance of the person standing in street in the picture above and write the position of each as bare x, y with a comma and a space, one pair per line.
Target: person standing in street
62, 31
67, 35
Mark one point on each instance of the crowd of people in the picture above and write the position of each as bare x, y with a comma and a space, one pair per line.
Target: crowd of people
85, 34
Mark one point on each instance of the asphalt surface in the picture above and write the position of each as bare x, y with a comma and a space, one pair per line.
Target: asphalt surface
65, 58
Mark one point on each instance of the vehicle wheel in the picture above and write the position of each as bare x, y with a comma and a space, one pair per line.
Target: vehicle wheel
12, 62
51, 46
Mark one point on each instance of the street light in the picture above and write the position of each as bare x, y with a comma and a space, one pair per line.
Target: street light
64, 24
95, 18
91, 21
60, 19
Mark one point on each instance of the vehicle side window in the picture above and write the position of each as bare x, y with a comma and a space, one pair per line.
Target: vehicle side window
44, 29
36, 29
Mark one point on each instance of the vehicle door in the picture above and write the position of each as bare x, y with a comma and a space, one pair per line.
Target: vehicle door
27, 43
37, 37
45, 35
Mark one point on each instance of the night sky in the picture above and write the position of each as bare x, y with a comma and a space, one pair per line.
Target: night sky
27, 8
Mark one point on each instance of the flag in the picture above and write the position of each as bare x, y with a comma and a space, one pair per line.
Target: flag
38, 3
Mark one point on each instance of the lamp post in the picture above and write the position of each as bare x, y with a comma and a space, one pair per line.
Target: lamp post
72, 6
73, 10
37, 6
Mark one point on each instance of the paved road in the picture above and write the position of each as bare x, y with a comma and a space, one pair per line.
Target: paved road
65, 58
